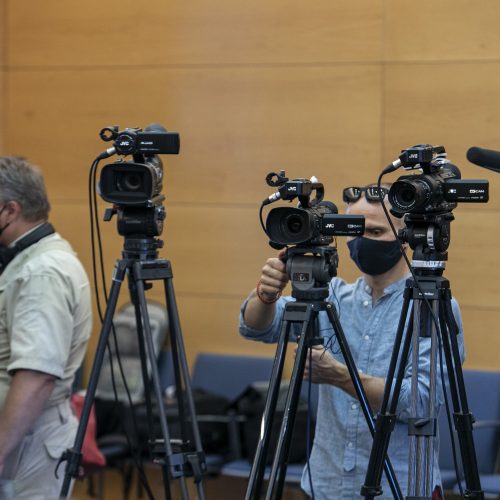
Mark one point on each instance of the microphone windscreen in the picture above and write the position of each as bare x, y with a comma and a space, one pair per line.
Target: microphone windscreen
486, 158
155, 127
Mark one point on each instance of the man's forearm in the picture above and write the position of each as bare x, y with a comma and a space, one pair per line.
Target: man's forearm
257, 314
373, 387
28, 393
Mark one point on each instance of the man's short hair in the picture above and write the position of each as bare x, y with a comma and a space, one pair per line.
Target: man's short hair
22, 182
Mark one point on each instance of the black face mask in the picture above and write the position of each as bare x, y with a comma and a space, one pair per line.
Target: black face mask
2, 229
374, 257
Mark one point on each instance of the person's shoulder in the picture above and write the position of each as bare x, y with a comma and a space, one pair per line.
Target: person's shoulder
52, 255
340, 286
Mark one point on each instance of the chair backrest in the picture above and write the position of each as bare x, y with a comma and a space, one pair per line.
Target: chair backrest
229, 375
483, 398
125, 326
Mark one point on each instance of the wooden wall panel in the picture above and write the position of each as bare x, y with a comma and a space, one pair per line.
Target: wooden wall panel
130, 33
453, 104
448, 30
236, 125
482, 337
332, 89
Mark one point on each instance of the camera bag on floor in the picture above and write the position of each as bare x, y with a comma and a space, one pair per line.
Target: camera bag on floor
250, 404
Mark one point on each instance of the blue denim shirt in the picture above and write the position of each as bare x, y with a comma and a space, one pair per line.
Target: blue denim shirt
342, 441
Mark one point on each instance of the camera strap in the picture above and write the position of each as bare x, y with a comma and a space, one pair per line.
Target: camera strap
8, 253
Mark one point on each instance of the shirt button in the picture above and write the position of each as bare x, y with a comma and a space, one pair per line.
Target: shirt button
354, 406
367, 337
366, 303
350, 445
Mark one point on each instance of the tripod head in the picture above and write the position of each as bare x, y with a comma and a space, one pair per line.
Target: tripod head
310, 269
139, 226
429, 237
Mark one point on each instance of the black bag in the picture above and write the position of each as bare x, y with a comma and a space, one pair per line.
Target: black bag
251, 404
208, 406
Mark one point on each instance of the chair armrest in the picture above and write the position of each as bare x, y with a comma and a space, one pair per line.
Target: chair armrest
480, 424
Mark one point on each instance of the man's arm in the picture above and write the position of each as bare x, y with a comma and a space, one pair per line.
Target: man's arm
28, 393
259, 314
327, 370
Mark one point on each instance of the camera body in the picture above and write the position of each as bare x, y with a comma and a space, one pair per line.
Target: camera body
138, 182
438, 189
314, 222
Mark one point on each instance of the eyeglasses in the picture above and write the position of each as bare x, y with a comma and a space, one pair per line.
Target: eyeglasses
372, 193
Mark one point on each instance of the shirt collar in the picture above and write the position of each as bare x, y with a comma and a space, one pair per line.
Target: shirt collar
396, 286
25, 234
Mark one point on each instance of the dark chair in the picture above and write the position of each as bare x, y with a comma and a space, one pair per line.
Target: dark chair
483, 396
242, 467
228, 376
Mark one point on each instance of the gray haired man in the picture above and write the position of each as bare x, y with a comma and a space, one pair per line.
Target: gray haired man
45, 323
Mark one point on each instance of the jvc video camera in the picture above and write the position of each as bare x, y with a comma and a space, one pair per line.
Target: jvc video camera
438, 189
313, 222
138, 182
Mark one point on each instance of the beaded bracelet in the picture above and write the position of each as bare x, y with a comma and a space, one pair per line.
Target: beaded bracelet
263, 299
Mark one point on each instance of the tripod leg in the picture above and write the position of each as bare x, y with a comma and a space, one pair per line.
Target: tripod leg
259, 462
197, 459
143, 357
73, 456
150, 350
360, 392
422, 428
278, 472
462, 416
386, 418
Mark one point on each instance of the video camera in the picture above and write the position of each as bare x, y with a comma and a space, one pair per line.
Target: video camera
134, 187
313, 222
138, 182
438, 189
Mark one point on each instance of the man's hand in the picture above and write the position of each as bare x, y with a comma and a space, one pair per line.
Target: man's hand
273, 278
259, 313
324, 368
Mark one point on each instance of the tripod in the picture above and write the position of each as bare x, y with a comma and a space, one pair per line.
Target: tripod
310, 276
141, 265
428, 236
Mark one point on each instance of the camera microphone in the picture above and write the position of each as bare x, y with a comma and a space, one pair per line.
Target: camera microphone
487, 158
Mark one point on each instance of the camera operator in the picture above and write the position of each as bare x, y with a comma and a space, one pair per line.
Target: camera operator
369, 310
45, 322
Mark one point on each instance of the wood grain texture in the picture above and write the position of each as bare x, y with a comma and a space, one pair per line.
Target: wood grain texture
331, 89
448, 30
130, 33
457, 106
236, 125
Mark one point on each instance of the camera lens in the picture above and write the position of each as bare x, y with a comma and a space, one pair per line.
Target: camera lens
294, 224
130, 182
289, 226
409, 194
